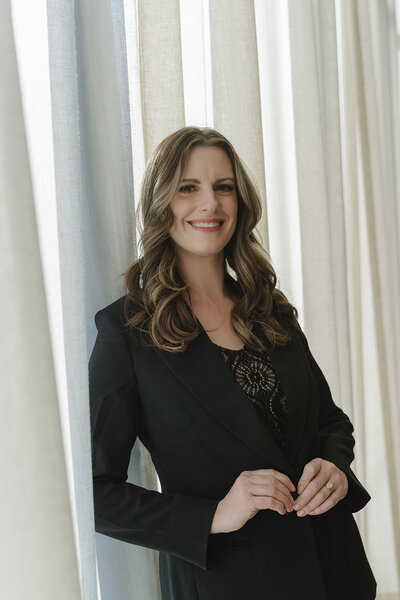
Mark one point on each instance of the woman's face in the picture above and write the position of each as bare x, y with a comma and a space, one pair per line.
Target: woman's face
202, 203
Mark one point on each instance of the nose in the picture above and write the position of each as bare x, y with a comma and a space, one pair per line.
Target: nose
209, 200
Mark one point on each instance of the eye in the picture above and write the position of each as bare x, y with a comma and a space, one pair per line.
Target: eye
185, 187
227, 187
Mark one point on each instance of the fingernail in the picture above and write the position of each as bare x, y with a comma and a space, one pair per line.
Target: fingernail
296, 506
300, 513
301, 488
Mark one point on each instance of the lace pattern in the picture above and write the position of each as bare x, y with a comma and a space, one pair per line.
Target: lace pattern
254, 372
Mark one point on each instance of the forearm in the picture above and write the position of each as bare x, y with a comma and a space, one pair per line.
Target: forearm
175, 523
336, 435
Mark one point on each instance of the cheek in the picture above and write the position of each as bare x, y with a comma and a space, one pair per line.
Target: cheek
178, 209
175, 210
175, 226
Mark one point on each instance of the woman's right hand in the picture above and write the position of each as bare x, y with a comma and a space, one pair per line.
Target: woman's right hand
251, 492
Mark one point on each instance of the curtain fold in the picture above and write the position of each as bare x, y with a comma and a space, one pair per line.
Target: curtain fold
70, 301
370, 108
161, 78
38, 555
109, 238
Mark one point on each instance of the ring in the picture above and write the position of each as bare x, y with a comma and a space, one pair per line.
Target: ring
329, 485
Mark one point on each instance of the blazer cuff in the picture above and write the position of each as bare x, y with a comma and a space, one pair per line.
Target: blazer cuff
357, 496
197, 523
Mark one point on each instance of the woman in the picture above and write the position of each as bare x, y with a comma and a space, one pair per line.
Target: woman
211, 370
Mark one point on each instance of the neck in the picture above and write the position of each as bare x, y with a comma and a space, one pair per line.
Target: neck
204, 277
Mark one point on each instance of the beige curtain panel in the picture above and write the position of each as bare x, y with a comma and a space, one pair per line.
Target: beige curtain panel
308, 93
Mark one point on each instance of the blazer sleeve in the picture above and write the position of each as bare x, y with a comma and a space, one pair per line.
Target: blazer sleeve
175, 523
336, 434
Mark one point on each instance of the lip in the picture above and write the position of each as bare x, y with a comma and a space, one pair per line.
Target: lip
206, 229
205, 220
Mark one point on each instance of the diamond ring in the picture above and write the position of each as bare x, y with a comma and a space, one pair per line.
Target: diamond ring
329, 485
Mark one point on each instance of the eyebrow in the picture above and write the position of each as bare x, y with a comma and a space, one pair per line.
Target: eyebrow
216, 181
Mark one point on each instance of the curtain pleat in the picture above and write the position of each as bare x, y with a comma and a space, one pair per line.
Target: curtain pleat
371, 184
109, 239
38, 555
69, 303
160, 70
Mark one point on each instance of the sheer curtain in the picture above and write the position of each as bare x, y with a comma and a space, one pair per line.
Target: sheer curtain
38, 554
308, 92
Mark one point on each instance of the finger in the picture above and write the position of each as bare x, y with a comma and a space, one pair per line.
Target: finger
338, 492
262, 480
310, 491
274, 484
274, 492
325, 470
321, 497
277, 474
266, 502
309, 472
268, 484
325, 506
286, 481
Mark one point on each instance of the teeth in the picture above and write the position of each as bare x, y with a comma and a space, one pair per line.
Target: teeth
214, 224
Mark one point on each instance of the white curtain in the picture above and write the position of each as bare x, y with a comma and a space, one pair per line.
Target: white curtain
38, 556
308, 93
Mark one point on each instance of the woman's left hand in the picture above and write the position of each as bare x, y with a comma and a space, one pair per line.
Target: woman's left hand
315, 498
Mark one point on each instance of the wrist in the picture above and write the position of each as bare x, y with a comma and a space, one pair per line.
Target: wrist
215, 522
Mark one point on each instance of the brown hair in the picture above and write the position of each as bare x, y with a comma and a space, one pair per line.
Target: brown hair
153, 282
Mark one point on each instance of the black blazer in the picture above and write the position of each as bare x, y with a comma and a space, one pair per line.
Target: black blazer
202, 432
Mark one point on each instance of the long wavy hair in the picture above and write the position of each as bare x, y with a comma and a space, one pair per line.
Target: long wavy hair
153, 284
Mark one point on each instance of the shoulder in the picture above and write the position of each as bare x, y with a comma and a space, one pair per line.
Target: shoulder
119, 309
114, 315
114, 310
290, 325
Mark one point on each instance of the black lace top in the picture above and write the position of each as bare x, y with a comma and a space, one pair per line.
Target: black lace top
254, 372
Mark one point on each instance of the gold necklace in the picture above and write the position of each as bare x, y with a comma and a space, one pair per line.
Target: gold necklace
206, 330
211, 330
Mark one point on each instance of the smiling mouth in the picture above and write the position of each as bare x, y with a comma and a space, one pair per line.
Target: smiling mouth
207, 225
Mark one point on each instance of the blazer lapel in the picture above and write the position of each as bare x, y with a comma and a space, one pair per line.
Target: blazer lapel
203, 371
